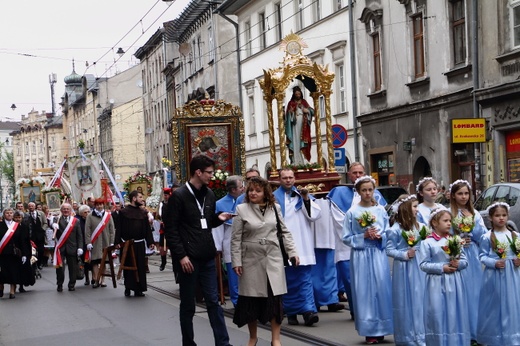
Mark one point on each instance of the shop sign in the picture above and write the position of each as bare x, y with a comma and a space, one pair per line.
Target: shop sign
468, 130
513, 142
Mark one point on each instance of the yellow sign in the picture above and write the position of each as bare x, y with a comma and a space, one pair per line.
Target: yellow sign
468, 130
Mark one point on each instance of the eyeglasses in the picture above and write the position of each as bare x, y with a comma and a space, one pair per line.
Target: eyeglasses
209, 172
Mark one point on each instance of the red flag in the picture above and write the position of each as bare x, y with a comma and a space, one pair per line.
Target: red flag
57, 182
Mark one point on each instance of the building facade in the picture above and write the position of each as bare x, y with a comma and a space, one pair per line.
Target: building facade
205, 53
37, 144
79, 113
153, 57
121, 122
499, 88
415, 77
323, 27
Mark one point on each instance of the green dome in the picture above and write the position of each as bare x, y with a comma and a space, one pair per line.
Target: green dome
73, 78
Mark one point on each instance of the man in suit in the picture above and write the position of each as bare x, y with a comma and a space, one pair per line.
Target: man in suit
69, 246
37, 223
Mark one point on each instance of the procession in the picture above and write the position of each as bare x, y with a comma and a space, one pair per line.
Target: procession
271, 173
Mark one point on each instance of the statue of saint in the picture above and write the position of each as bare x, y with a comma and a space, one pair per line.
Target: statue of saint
298, 118
157, 185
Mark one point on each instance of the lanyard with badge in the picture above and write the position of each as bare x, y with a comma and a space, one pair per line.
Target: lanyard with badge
203, 222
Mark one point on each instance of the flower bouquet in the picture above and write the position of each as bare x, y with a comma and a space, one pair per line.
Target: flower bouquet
411, 237
453, 247
166, 163
424, 232
515, 245
463, 224
218, 183
500, 249
366, 219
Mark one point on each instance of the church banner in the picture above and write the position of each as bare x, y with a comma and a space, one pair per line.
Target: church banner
84, 176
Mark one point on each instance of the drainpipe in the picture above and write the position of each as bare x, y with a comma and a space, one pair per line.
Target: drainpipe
475, 62
239, 67
353, 80
215, 62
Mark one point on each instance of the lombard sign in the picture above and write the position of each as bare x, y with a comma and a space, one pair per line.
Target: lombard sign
468, 130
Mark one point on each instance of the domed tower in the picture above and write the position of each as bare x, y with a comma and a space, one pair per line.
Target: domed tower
72, 81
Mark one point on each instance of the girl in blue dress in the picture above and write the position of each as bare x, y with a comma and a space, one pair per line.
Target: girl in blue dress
364, 231
427, 191
499, 318
470, 226
407, 277
446, 319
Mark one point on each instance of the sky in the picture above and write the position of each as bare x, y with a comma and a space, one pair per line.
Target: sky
39, 38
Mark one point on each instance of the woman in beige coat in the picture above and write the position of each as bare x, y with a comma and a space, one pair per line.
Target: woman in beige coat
257, 260
106, 238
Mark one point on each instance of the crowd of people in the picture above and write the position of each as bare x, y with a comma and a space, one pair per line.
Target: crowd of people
418, 275
432, 274
31, 236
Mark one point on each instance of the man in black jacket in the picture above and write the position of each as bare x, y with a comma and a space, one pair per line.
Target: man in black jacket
189, 220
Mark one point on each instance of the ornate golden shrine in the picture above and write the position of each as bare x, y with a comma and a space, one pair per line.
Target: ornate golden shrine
211, 128
316, 78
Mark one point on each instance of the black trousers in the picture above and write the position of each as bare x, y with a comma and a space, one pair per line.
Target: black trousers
72, 264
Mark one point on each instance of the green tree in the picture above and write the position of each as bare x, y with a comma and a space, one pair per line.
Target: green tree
7, 167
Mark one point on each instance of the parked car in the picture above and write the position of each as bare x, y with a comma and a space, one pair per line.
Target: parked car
502, 192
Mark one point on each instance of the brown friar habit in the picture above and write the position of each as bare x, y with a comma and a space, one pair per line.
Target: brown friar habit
133, 224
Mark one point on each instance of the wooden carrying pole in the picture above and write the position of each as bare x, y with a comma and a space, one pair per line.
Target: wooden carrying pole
129, 246
107, 253
218, 264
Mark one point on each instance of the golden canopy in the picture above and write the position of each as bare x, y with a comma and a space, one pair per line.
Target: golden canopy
316, 78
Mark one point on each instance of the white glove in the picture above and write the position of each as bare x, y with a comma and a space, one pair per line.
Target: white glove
89, 247
80, 252
55, 226
24, 259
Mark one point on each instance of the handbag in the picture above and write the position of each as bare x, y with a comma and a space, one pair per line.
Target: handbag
279, 234
81, 270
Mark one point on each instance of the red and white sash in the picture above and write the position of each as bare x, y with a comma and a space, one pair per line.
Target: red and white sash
97, 232
7, 236
57, 261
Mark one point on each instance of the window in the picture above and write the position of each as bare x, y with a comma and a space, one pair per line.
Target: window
316, 10
211, 52
458, 31
340, 80
299, 14
252, 122
383, 164
199, 52
376, 58
248, 38
418, 45
193, 57
278, 21
515, 21
261, 23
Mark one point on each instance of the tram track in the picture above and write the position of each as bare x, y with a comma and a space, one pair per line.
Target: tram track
288, 332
